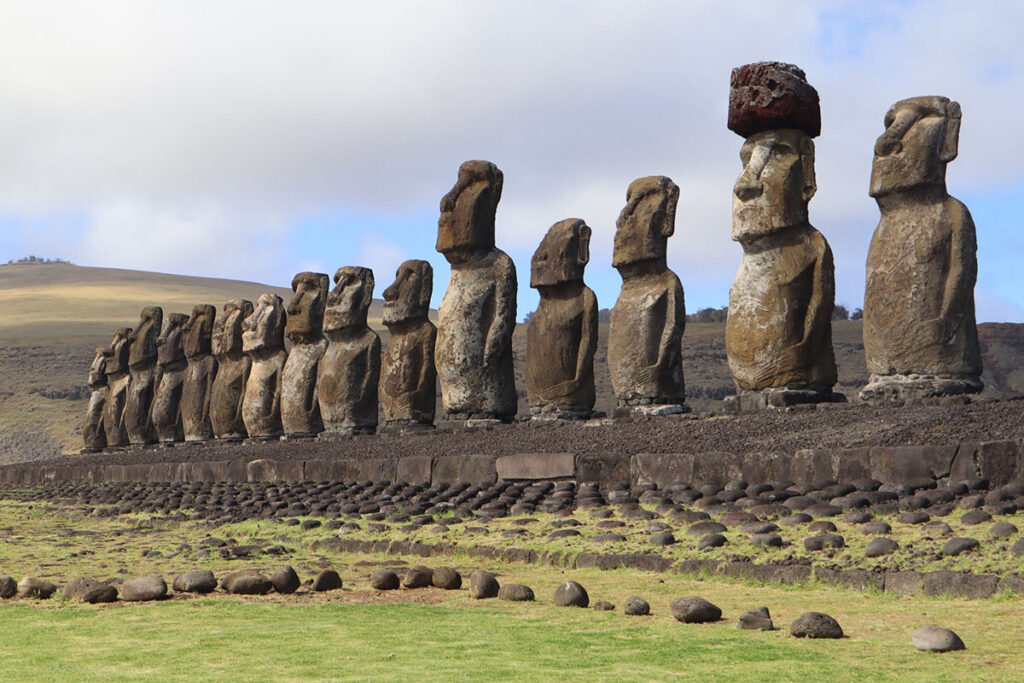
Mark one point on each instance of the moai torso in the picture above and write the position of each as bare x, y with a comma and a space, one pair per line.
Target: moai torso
649, 317
233, 368
922, 264
408, 382
562, 335
300, 407
142, 370
263, 342
197, 392
349, 371
116, 367
171, 365
477, 315
93, 435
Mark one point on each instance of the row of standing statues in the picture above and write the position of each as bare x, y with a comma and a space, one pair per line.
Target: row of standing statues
199, 377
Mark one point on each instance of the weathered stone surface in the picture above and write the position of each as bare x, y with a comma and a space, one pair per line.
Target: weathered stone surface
8, 587
515, 592
603, 606
144, 589
94, 438
263, 342
32, 587
446, 578
483, 584
197, 392
636, 606
571, 594
647, 322
418, 577
920, 336
772, 96
408, 381
100, 593
816, 625
535, 466
116, 368
197, 581
562, 335
478, 313
300, 406
881, 546
233, 368
756, 620
246, 582
936, 639
285, 580
171, 371
77, 587
695, 610
350, 369
142, 356
327, 580
384, 580
959, 545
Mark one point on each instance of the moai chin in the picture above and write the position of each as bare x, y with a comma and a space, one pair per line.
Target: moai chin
93, 435
920, 336
263, 342
142, 370
562, 336
408, 382
116, 369
171, 370
300, 407
779, 330
197, 393
647, 322
233, 367
478, 313
349, 372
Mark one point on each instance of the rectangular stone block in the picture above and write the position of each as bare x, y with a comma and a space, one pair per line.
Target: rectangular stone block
261, 470
767, 466
291, 470
903, 583
318, 470
716, 466
474, 469
535, 466
811, 465
851, 464
997, 461
414, 469
603, 468
662, 469
379, 469
905, 464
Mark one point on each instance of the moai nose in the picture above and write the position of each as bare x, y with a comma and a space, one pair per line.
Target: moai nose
887, 146
748, 189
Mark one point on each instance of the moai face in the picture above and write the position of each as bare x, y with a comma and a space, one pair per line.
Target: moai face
921, 136
466, 226
562, 255
306, 309
646, 222
349, 301
118, 351
144, 349
408, 297
169, 349
197, 333
776, 184
98, 369
227, 330
264, 329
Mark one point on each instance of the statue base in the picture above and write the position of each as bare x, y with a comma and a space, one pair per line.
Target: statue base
234, 438
263, 438
88, 450
471, 422
300, 436
346, 432
625, 412
897, 388
407, 427
754, 401
552, 412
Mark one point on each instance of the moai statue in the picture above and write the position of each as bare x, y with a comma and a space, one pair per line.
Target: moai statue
171, 369
408, 382
197, 338
350, 369
142, 372
233, 368
263, 342
478, 312
778, 336
300, 407
95, 439
116, 367
920, 336
562, 337
647, 323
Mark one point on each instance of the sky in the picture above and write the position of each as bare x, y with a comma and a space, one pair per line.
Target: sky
253, 139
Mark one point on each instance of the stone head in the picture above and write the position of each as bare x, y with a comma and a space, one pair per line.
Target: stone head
306, 309
118, 351
143, 349
562, 255
98, 369
646, 222
197, 333
349, 301
169, 344
264, 328
466, 225
227, 329
777, 182
921, 136
408, 297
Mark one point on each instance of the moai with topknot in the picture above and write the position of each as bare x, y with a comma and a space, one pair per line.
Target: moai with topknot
142, 371
920, 335
300, 406
172, 367
478, 312
408, 382
562, 335
649, 317
779, 331
263, 342
93, 435
116, 367
233, 367
197, 392
350, 369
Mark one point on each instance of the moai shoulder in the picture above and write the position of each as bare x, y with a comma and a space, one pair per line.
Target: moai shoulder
408, 382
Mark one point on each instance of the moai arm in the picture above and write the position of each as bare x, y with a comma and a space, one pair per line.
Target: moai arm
584, 353
371, 380
963, 272
503, 324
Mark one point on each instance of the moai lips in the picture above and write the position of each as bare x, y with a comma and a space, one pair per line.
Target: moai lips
263, 342
233, 367
197, 392
408, 382
300, 407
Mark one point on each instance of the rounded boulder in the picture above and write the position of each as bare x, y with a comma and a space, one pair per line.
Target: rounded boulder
197, 581
571, 594
418, 577
384, 580
695, 610
636, 606
446, 578
816, 625
246, 582
483, 584
936, 639
515, 592
327, 580
285, 580
31, 587
144, 589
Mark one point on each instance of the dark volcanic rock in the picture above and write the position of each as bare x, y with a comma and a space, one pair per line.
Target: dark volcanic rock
756, 620
711, 541
327, 580
100, 593
198, 581
822, 541
1002, 530
772, 95
483, 584
695, 610
955, 546
384, 580
285, 580
31, 587
936, 639
571, 594
636, 606
881, 546
446, 578
144, 588
515, 592
418, 577
246, 582
816, 625
603, 606
8, 587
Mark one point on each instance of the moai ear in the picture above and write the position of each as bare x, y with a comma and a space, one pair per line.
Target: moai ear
368, 283
583, 254
807, 161
951, 141
668, 226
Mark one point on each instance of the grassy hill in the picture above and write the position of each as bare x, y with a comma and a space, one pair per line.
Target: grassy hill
52, 316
